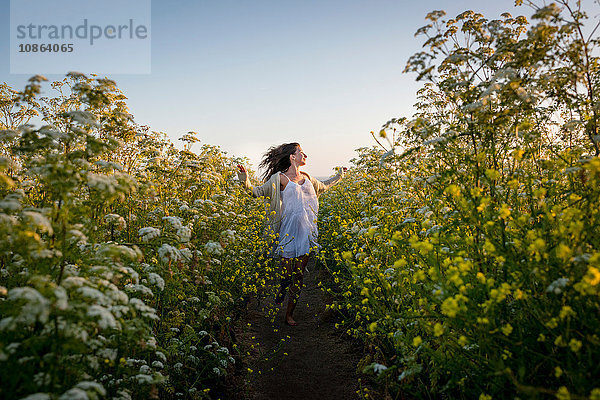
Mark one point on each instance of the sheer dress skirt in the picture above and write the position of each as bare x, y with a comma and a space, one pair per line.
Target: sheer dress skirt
298, 231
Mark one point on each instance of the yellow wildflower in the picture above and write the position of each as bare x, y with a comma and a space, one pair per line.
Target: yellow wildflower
566, 312
400, 263
593, 276
563, 393
453, 190
541, 338
438, 329
489, 247
575, 345
558, 372
481, 277
518, 154
563, 252
504, 211
559, 341
450, 307
492, 174
552, 323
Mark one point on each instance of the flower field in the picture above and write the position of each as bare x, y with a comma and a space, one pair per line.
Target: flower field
123, 259
464, 250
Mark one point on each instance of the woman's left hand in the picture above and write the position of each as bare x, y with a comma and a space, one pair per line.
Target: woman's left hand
242, 173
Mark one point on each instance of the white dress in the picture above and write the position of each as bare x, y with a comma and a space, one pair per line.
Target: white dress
298, 231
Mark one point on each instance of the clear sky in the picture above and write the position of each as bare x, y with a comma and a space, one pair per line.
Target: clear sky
246, 74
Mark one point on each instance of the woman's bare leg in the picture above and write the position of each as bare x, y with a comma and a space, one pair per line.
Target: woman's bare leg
286, 277
297, 281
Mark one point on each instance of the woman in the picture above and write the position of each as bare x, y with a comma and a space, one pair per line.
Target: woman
292, 220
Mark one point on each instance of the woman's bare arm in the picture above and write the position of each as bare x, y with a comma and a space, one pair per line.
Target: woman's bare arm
257, 191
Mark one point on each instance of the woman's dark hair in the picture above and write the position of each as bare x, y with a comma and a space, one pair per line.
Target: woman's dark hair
277, 159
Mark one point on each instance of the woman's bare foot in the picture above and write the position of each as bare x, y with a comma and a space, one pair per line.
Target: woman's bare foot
290, 321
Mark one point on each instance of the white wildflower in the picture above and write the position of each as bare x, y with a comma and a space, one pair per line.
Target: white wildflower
105, 317
377, 368
143, 379
435, 140
139, 289
113, 251
41, 379
116, 220
76, 236
82, 117
61, 302
10, 203
557, 286
45, 253
473, 106
102, 183
92, 294
168, 253
90, 385
135, 277
73, 281
39, 221
228, 236
162, 356
122, 395
74, 394
12, 347
148, 233
184, 233
572, 169
151, 342
157, 280
109, 165
186, 253
213, 248
385, 156
145, 310
36, 306
111, 354
37, 396
174, 221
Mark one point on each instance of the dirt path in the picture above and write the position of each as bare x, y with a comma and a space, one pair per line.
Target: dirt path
309, 361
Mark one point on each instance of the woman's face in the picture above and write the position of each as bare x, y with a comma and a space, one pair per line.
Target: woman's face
299, 157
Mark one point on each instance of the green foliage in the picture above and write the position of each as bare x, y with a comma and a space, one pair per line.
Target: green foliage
470, 260
122, 259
